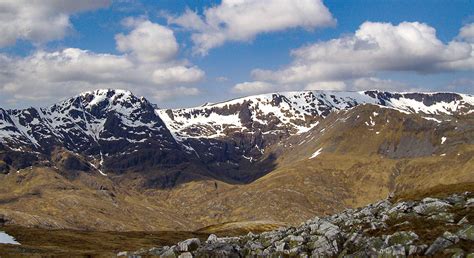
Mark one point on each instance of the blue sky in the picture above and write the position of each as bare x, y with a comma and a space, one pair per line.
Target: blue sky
42, 64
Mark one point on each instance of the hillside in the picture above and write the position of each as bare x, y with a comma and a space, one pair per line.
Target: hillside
384, 229
98, 159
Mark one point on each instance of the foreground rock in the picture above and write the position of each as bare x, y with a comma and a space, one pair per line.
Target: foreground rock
429, 227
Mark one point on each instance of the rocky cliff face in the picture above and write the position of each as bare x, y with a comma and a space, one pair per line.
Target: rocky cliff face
428, 227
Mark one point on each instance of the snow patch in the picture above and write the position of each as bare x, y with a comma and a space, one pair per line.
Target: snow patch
316, 153
7, 239
248, 158
432, 119
443, 139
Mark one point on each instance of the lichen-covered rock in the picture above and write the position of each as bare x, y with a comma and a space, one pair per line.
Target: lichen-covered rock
394, 251
280, 246
466, 233
294, 241
470, 202
189, 245
463, 221
442, 242
323, 247
416, 249
212, 239
431, 206
219, 250
454, 252
186, 255
170, 252
401, 238
443, 216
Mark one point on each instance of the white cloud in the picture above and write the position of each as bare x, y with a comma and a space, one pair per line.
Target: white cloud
40, 21
373, 83
177, 74
252, 87
148, 42
467, 32
330, 85
52, 75
173, 93
462, 84
374, 47
221, 79
242, 20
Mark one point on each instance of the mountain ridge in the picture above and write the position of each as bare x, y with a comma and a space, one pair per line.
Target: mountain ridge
91, 122
262, 168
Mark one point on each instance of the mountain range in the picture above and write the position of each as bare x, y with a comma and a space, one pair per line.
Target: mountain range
109, 160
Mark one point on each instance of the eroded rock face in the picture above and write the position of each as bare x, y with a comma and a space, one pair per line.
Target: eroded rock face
384, 228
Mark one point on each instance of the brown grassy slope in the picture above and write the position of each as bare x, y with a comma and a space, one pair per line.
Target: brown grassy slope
67, 243
437, 191
403, 150
42, 197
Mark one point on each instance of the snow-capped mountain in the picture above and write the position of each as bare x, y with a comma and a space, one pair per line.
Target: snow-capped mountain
97, 124
297, 112
115, 130
253, 123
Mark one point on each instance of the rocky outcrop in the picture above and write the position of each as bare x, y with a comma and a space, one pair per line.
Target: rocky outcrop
429, 227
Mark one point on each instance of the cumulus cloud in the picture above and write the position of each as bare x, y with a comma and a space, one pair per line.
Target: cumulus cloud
177, 74
374, 47
461, 84
148, 42
372, 83
169, 94
252, 87
467, 32
359, 84
40, 21
66, 72
242, 20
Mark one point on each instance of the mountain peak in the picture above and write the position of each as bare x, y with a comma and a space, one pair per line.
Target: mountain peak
107, 93
99, 102
113, 96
